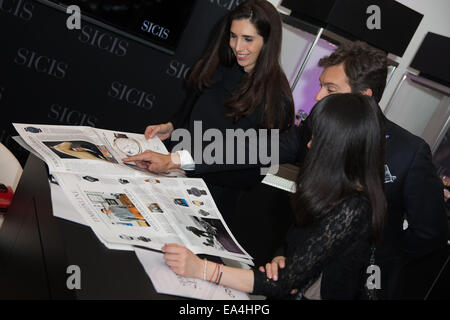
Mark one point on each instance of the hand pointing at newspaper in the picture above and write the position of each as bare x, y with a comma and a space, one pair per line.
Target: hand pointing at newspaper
156, 162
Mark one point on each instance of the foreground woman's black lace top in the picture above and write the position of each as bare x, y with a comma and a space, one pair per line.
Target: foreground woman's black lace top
344, 230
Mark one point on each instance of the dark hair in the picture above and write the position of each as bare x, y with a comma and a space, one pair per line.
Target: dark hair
347, 152
266, 85
365, 67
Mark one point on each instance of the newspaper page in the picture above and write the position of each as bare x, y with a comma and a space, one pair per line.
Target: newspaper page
87, 150
152, 211
62, 208
166, 281
127, 207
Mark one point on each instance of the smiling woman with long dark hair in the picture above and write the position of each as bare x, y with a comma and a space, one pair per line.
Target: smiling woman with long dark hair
265, 84
238, 84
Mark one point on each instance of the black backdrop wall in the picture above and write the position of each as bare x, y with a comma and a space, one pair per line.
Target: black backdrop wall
52, 75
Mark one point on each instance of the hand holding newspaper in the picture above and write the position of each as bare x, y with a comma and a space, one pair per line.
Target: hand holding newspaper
165, 280
123, 204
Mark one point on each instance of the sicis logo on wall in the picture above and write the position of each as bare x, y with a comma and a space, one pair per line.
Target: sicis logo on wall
41, 63
21, 9
159, 24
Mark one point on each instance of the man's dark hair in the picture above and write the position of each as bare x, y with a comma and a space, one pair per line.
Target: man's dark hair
365, 66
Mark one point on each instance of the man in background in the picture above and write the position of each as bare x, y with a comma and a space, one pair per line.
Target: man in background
416, 222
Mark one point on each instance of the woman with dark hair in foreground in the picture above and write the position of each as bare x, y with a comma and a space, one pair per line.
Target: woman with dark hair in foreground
339, 210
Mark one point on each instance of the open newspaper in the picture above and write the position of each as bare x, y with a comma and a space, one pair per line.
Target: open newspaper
123, 204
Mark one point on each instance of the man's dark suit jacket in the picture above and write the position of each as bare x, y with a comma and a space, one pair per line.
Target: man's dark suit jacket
413, 192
